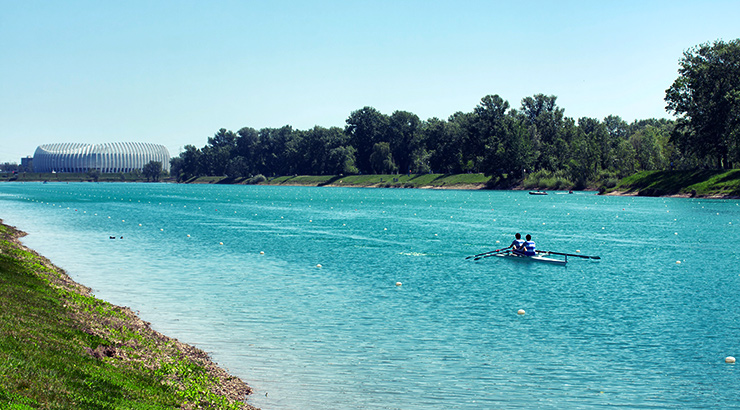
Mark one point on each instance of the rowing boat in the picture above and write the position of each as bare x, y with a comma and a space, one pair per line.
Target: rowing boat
537, 258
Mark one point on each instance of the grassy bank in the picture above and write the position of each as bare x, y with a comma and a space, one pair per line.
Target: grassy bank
72, 177
62, 348
459, 181
715, 184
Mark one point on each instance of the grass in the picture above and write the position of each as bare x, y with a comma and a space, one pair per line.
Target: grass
547, 180
705, 183
388, 180
71, 177
61, 348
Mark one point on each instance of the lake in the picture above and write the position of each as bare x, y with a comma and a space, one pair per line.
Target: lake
352, 298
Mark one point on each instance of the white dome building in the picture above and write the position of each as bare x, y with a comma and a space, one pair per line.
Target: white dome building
107, 157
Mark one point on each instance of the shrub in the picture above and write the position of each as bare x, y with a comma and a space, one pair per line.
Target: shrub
256, 179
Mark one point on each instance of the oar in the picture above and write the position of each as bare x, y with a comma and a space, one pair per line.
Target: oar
486, 253
570, 254
505, 250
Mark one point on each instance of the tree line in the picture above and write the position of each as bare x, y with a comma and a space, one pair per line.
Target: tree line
501, 141
493, 139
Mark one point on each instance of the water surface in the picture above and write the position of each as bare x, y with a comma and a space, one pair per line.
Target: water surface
635, 329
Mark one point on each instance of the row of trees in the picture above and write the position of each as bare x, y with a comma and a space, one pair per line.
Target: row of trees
499, 140
493, 139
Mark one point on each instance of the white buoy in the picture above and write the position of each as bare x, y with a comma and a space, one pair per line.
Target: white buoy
678, 262
498, 241
729, 359
161, 229
262, 252
520, 312
139, 224
188, 235
578, 251
399, 283
318, 265
220, 243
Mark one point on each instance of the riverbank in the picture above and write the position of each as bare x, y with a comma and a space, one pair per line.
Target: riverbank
702, 184
60, 347
719, 184
420, 181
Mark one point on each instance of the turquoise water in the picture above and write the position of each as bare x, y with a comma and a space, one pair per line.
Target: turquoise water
634, 330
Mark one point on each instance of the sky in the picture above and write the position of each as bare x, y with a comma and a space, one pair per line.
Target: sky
175, 72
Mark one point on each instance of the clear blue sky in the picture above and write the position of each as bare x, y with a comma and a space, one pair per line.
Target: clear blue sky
174, 72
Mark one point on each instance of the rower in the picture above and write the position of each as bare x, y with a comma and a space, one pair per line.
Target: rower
517, 246
529, 246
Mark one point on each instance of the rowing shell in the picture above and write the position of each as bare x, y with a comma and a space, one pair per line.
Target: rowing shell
536, 258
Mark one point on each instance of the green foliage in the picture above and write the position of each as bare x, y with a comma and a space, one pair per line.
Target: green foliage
152, 171
544, 179
256, 179
493, 139
706, 98
689, 183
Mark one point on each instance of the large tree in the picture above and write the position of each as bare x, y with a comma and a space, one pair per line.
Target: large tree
546, 125
365, 128
152, 170
706, 99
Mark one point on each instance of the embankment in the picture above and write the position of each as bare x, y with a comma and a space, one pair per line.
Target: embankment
700, 184
60, 347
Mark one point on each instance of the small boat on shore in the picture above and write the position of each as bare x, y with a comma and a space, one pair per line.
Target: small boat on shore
536, 258
537, 193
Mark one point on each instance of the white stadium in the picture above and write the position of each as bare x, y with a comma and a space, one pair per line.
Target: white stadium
107, 157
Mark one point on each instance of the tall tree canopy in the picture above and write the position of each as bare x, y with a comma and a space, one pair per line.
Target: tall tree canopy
706, 99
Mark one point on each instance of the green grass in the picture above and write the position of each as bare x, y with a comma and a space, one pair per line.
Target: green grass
382, 180
547, 180
719, 183
63, 349
71, 177
386, 180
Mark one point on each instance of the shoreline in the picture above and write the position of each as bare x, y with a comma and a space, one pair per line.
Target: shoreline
688, 196
135, 345
402, 183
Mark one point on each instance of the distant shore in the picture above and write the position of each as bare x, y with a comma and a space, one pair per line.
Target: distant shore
715, 184
128, 343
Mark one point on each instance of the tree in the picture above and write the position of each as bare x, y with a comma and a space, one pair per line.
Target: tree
443, 141
381, 160
403, 135
152, 171
365, 128
190, 166
94, 174
706, 99
545, 122
341, 161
